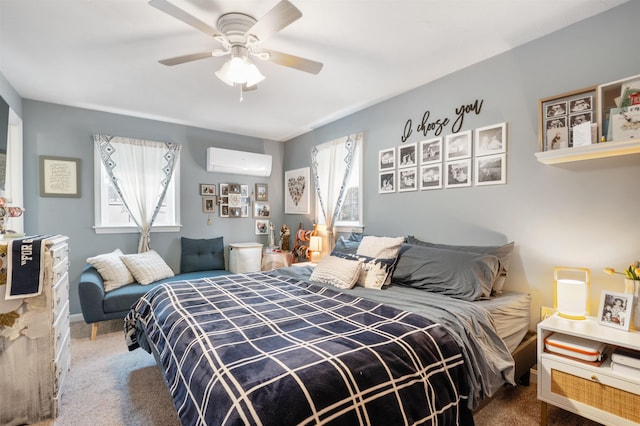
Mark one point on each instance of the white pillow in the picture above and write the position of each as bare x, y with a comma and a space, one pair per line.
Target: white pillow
147, 267
339, 272
113, 271
380, 247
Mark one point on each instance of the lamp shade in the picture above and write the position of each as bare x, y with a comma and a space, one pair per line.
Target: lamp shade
239, 70
315, 244
571, 296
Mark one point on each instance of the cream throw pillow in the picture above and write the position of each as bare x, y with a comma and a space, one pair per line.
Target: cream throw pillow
380, 247
147, 267
339, 272
112, 269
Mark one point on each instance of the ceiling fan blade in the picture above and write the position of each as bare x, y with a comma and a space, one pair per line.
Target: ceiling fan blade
302, 64
187, 58
185, 17
282, 14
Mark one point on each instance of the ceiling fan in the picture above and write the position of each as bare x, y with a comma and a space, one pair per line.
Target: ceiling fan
241, 36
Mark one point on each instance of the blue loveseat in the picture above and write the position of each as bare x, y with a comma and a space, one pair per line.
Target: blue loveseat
199, 258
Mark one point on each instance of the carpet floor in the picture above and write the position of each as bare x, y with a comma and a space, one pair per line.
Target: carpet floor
108, 386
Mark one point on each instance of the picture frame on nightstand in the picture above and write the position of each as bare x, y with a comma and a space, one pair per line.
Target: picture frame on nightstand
615, 309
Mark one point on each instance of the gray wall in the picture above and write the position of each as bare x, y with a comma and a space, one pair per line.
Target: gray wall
67, 132
8, 93
582, 214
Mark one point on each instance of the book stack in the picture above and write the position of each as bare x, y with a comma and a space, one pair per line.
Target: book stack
626, 362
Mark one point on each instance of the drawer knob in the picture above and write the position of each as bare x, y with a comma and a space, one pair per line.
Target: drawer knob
594, 378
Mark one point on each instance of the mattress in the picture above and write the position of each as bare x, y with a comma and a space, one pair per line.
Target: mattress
510, 312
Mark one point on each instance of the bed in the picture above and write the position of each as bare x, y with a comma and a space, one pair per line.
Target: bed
287, 347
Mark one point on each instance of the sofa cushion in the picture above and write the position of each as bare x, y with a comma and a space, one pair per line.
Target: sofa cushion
122, 299
201, 254
147, 267
112, 269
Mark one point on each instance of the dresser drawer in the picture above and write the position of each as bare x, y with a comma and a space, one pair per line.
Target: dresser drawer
60, 328
571, 384
62, 365
59, 252
60, 295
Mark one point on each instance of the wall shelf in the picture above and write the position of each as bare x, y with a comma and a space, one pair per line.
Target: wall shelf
589, 152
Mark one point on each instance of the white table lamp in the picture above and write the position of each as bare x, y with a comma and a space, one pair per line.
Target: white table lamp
315, 247
571, 296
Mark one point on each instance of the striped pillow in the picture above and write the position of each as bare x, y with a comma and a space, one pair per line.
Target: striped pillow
147, 267
339, 272
113, 271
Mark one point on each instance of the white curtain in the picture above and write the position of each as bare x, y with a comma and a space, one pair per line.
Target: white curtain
140, 172
331, 164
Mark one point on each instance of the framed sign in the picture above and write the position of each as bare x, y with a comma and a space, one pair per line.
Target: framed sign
59, 177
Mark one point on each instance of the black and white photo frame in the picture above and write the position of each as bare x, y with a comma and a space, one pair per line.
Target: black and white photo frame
491, 170
458, 173
557, 115
387, 159
458, 146
408, 179
431, 176
407, 155
615, 309
491, 140
431, 151
387, 182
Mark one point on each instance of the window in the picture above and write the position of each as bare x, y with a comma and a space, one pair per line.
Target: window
333, 163
112, 217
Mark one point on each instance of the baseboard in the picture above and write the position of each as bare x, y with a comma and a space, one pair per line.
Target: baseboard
76, 318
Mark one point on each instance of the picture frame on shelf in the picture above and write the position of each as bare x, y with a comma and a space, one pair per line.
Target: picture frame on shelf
209, 204
59, 177
458, 146
491, 170
615, 309
458, 173
387, 182
207, 189
261, 209
431, 151
558, 114
619, 110
408, 179
431, 176
386, 159
407, 155
490, 140
262, 192
262, 227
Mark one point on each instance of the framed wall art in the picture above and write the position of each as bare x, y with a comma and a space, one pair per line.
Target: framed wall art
431, 176
491, 170
262, 227
431, 151
59, 177
458, 146
262, 192
296, 191
387, 159
209, 204
615, 309
407, 155
458, 173
619, 107
408, 179
234, 200
207, 189
387, 182
261, 209
491, 140
558, 115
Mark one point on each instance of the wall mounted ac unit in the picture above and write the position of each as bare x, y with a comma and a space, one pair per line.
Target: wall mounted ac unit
238, 162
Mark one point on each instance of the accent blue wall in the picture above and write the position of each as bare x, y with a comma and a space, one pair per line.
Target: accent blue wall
582, 214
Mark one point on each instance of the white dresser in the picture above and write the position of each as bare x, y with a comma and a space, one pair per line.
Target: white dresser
35, 351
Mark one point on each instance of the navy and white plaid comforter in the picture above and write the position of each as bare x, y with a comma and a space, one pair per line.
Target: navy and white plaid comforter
256, 349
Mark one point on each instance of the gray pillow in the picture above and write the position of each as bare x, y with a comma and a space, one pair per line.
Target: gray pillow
460, 274
201, 254
501, 252
346, 246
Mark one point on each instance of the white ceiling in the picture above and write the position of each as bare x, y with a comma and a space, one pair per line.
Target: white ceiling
103, 55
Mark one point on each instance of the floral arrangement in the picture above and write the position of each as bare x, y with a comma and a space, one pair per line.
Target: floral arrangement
632, 272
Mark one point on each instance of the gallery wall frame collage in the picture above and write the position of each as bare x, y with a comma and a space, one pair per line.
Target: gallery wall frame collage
473, 157
234, 201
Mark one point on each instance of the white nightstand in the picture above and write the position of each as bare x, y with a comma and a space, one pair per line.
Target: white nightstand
594, 392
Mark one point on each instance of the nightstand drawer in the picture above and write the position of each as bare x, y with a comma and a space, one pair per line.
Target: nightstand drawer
573, 384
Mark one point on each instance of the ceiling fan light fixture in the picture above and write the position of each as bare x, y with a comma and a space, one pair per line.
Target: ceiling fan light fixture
239, 70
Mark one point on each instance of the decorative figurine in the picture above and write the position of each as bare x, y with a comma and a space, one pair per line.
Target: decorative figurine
284, 238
